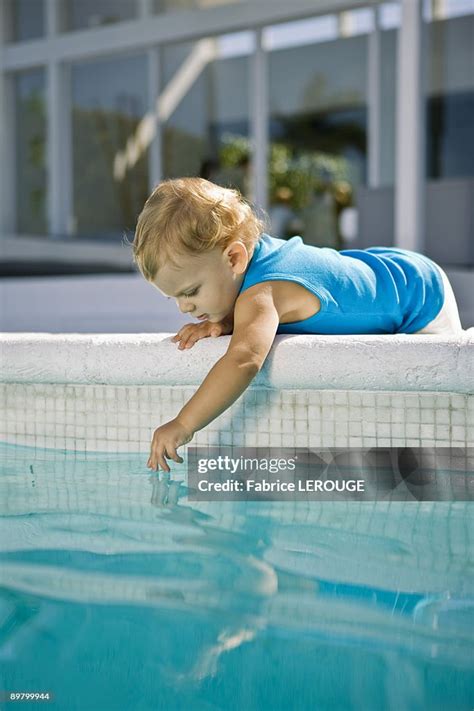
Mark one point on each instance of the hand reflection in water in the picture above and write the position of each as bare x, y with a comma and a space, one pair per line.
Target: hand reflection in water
165, 493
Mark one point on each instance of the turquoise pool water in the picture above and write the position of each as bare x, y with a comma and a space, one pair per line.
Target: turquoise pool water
117, 593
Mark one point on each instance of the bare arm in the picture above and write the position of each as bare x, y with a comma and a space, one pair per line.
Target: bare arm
256, 321
255, 325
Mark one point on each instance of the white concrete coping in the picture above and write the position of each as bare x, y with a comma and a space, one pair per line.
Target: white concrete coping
389, 362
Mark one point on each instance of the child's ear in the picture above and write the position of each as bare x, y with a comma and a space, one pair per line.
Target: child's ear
237, 257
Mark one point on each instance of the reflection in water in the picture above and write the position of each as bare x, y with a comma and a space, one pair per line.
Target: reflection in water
112, 582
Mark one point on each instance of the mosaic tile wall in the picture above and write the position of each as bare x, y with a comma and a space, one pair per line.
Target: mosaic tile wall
122, 418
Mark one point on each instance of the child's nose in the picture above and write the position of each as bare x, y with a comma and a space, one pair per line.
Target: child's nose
184, 307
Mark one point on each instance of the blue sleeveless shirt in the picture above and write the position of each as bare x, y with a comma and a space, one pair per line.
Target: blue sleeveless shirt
376, 290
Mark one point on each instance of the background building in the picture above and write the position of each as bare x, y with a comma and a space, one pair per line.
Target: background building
349, 122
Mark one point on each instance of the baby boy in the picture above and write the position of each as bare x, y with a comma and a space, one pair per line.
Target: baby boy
202, 245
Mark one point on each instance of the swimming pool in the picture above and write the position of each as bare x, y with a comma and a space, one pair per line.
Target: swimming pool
118, 592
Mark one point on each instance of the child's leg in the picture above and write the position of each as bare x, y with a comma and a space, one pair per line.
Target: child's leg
447, 322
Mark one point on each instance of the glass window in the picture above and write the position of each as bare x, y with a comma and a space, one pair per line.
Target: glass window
85, 14
24, 19
205, 110
170, 5
444, 9
30, 113
448, 47
390, 15
317, 124
110, 163
450, 95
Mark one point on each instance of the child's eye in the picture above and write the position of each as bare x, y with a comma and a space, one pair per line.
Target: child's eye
193, 292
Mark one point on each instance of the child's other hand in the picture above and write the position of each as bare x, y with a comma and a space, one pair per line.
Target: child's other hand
166, 439
193, 332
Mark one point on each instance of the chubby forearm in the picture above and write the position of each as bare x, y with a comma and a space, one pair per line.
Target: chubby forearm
224, 383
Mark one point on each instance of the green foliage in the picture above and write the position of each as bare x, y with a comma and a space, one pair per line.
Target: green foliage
301, 173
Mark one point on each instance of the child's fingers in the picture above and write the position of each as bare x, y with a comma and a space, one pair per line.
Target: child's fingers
192, 340
191, 333
160, 452
182, 344
203, 331
157, 460
162, 461
188, 327
182, 341
171, 453
151, 464
186, 335
180, 333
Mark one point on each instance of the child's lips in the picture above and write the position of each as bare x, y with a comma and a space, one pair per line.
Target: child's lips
200, 318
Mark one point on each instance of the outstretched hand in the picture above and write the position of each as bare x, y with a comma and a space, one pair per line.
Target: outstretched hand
166, 439
193, 332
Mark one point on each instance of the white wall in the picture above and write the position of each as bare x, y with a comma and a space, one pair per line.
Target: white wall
86, 304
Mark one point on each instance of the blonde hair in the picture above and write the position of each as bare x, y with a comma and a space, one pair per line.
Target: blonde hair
191, 216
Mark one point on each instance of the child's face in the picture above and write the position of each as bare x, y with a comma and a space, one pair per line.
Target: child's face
206, 285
